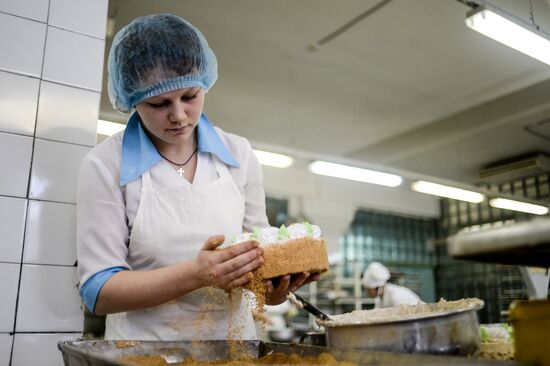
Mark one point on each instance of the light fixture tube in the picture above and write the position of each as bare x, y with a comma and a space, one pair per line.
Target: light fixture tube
108, 128
353, 173
508, 31
447, 191
518, 206
273, 159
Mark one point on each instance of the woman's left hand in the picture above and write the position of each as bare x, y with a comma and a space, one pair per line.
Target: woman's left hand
276, 294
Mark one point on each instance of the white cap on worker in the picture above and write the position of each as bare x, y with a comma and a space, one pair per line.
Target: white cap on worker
376, 275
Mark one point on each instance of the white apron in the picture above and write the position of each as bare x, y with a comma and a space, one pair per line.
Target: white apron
171, 225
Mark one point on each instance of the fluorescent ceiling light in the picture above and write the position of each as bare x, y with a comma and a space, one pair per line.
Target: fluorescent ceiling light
352, 173
108, 128
507, 31
518, 206
272, 159
446, 191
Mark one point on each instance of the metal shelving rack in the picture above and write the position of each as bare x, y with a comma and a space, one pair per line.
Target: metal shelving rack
459, 279
503, 283
358, 298
510, 287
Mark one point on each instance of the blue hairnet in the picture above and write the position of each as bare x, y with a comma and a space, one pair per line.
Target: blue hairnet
156, 54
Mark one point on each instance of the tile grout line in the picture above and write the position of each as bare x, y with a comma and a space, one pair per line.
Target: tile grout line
36, 199
44, 139
28, 189
22, 17
40, 264
74, 86
53, 26
50, 332
20, 276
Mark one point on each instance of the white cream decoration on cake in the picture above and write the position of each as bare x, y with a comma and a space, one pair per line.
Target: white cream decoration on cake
271, 234
268, 235
304, 230
296, 231
316, 234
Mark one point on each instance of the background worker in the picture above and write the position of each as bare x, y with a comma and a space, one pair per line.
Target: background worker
375, 280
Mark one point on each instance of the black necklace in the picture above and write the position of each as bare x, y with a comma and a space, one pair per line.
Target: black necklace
180, 166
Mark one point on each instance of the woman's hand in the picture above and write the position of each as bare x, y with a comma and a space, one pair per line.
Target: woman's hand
276, 293
228, 267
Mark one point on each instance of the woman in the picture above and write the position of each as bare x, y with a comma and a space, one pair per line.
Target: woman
156, 202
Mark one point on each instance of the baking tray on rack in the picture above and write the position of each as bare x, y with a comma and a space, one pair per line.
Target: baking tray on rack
108, 353
525, 243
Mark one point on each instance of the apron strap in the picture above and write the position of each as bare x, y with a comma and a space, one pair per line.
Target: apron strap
146, 180
221, 168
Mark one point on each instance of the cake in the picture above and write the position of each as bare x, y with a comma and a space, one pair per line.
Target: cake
286, 251
298, 248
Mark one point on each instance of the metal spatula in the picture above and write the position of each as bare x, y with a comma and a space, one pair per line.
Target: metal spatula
307, 306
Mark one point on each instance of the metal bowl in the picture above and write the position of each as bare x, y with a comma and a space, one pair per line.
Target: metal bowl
452, 333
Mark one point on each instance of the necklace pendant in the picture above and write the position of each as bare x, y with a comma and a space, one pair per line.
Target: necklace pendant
181, 171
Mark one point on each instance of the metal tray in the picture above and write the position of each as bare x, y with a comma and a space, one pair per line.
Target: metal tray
106, 353
525, 243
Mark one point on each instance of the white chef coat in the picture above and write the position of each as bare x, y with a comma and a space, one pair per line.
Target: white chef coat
106, 209
397, 295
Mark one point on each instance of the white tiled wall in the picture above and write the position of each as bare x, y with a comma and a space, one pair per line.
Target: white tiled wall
44, 242
67, 114
18, 100
63, 65
43, 346
22, 45
55, 168
8, 287
5, 348
84, 16
51, 61
12, 227
48, 300
33, 9
15, 161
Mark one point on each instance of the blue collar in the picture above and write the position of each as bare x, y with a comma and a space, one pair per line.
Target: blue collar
139, 154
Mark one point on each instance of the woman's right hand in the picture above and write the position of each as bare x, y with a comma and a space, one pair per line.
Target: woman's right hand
228, 267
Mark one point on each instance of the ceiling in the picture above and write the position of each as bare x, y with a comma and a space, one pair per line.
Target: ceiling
409, 87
